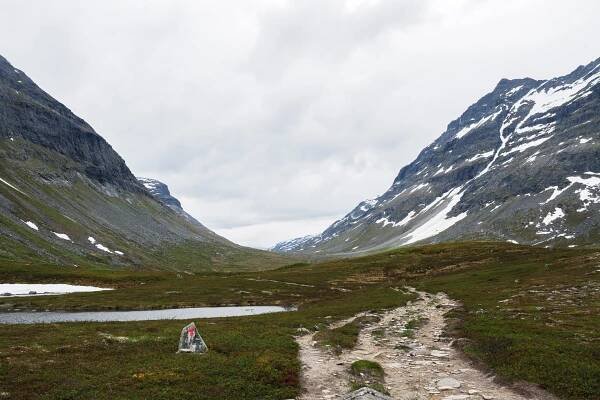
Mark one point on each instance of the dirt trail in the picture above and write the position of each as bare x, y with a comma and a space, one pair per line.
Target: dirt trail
415, 367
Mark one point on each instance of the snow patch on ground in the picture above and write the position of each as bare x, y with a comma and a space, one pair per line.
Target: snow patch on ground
26, 289
91, 240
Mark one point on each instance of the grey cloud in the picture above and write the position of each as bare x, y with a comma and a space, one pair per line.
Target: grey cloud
268, 118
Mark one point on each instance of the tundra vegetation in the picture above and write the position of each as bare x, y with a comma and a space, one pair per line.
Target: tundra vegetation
528, 313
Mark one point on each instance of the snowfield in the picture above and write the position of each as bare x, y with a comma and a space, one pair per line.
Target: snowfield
38, 289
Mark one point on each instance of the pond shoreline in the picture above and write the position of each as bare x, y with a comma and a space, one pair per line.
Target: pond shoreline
40, 317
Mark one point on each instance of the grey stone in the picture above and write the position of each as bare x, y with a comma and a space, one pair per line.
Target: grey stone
448, 384
366, 394
190, 340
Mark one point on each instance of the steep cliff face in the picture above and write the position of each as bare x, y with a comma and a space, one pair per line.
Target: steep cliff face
67, 197
521, 164
27, 112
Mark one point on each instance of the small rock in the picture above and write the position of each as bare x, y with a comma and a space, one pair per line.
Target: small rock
440, 354
448, 384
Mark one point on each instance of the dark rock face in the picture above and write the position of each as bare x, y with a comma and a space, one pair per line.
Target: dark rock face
521, 164
161, 192
27, 112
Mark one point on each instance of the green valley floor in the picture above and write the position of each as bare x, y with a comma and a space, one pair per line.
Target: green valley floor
526, 314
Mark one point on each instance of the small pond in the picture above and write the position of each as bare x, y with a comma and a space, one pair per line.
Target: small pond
147, 315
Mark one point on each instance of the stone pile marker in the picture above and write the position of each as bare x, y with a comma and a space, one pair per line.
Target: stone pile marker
190, 340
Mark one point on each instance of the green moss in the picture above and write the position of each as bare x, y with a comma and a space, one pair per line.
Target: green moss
367, 374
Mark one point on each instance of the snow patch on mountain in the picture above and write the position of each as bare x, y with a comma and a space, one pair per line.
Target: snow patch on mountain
479, 156
31, 225
553, 216
62, 236
103, 248
440, 221
12, 186
590, 193
547, 97
385, 221
467, 129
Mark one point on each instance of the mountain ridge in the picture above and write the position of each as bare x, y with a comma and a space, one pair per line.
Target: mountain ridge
441, 194
68, 198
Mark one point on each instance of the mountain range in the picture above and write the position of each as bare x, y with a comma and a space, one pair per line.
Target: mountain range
522, 164
66, 197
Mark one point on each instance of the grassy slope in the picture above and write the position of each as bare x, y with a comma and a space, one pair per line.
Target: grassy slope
255, 357
151, 235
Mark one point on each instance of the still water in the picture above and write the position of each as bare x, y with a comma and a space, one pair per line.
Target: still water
148, 315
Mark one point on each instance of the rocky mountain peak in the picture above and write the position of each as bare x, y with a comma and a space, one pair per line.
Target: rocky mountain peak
160, 192
520, 164
27, 112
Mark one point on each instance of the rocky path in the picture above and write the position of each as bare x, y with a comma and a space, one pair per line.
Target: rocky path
418, 366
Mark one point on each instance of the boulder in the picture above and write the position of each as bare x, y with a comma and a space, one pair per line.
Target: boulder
190, 340
448, 384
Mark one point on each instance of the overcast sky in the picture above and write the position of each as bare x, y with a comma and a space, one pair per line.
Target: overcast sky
271, 119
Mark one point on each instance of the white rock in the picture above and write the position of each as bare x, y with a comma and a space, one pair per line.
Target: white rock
437, 353
448, 384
